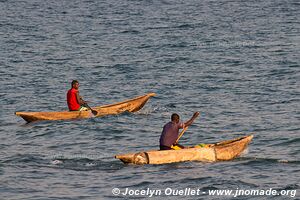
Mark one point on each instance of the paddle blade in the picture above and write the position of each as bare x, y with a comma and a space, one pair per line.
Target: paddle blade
94, 112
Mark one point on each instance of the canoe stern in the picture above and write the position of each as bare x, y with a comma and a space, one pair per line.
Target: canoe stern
140, 158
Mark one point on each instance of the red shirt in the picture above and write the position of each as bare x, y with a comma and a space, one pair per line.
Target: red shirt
72, 100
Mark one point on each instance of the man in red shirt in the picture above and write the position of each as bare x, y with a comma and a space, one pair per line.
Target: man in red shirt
75, 102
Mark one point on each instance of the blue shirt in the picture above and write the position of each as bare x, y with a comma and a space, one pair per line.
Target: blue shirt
169, 134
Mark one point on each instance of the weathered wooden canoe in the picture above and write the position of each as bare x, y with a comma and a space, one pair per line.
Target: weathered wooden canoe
131, 105
221, 151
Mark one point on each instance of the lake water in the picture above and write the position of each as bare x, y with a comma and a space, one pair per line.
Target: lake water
236, 62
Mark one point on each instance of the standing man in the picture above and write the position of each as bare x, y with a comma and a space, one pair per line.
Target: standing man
75, 102
170, 131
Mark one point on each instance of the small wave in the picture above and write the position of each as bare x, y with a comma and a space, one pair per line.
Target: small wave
23, 158
142, 184
255, 160
289, 142
131, 31
292, 187
56, 162
185, 26
216, 184
145, 111
78, 164
85, 164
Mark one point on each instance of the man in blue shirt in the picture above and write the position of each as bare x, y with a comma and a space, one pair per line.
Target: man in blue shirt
170, 131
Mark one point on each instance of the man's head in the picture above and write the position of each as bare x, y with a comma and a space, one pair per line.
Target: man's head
175, 117
75, 84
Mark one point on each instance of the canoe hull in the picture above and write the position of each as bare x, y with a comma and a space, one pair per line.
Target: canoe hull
222, 151
131, 105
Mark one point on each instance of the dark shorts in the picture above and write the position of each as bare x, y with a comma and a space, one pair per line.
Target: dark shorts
161, 147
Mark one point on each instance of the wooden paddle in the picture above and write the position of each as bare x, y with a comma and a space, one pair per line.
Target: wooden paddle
86, 105
180, 135
93, 111
196, 114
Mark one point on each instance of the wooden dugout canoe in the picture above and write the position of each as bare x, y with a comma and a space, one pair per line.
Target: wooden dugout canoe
131, 105
221, 151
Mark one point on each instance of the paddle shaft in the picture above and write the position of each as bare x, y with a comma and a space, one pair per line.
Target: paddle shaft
196, 114
180, 135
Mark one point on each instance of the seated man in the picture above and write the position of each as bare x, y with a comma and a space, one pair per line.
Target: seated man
75, 102
170, 132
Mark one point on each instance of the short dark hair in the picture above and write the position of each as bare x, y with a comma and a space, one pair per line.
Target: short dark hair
174, 116
74, 82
